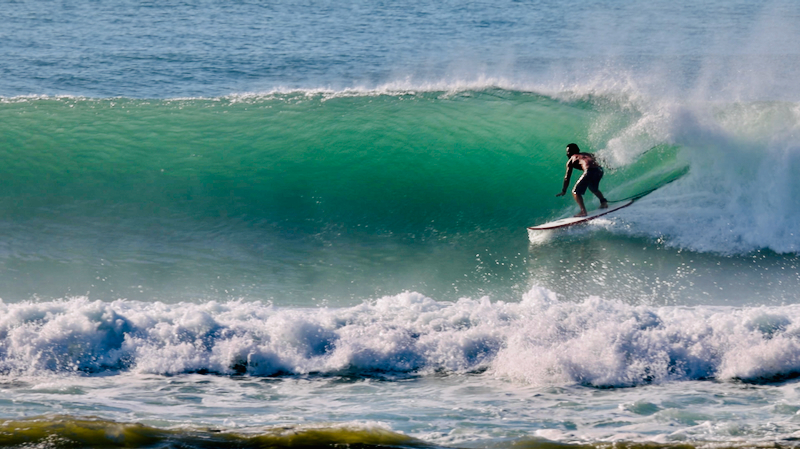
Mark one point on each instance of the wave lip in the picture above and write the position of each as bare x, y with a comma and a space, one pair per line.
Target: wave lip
539, 341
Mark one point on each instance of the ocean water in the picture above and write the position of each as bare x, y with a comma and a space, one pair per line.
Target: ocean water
303, 224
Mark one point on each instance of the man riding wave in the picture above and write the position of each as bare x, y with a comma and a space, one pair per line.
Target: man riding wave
592, 174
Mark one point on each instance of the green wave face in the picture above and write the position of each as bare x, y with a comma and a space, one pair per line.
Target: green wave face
299, 195
395, 163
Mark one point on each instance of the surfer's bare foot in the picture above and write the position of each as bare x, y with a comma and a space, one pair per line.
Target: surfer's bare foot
604, 205
580, 214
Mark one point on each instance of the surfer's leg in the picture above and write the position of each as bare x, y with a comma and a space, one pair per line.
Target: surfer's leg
594, 187
578, 191
579, 200
603, 202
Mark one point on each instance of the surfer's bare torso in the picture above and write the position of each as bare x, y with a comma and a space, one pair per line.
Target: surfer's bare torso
582, 161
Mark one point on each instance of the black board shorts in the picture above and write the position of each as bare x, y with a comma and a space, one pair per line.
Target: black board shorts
590, 179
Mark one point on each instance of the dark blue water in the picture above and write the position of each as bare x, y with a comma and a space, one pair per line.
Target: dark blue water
206, 48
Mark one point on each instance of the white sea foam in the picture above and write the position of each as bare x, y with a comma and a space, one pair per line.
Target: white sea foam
539, 341
740, 194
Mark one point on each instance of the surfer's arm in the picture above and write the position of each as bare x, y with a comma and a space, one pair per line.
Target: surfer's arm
566, 181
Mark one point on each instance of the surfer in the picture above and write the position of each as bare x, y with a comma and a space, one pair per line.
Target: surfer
592, 174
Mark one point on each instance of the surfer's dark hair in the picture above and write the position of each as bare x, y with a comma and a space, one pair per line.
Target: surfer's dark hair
573, 149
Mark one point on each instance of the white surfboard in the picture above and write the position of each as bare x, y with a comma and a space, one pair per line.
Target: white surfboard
571, 221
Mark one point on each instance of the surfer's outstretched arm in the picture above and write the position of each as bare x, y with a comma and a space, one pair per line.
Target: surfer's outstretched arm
566, 181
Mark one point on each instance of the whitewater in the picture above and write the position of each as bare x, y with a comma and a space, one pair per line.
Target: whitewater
303, 224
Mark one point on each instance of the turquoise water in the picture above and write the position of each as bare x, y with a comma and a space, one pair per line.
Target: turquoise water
304, 224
